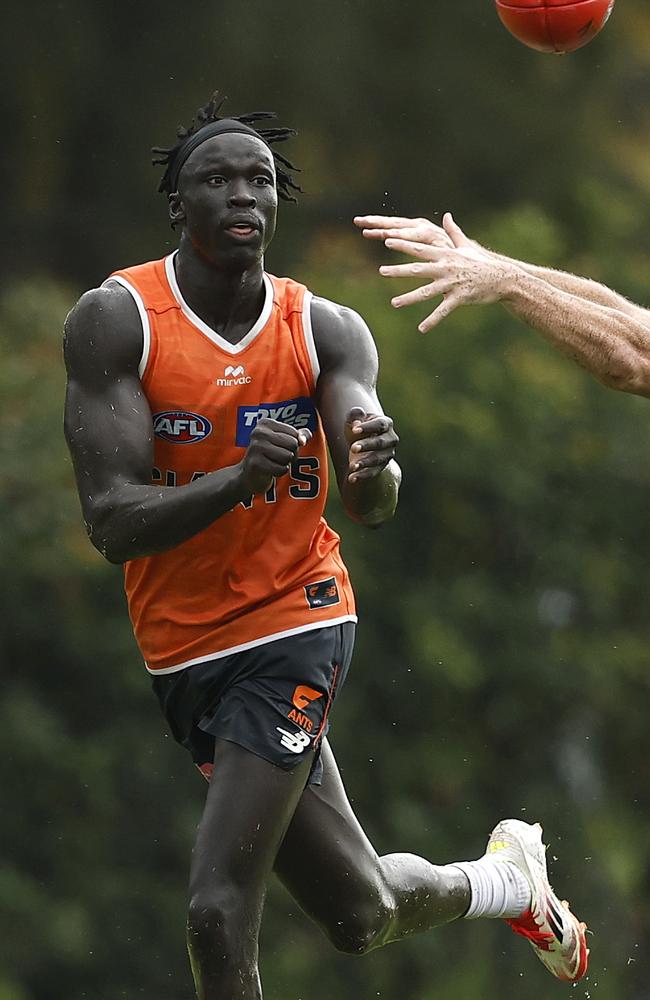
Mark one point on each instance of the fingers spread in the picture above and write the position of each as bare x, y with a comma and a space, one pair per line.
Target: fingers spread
446, 307
376, 234
422, 250
384, 221
421, 294
405, 270
383, 227
453, 230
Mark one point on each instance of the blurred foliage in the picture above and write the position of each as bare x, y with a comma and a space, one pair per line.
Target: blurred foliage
502, 658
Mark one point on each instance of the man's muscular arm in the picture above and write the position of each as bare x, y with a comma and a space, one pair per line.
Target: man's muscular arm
360, 436
109, 431
601, 330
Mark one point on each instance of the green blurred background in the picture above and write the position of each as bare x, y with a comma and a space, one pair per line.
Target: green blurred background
502, 660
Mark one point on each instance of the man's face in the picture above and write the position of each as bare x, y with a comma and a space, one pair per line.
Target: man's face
227, 200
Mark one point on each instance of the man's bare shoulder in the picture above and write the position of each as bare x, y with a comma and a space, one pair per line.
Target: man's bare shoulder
326, 313
104, 325
340, 332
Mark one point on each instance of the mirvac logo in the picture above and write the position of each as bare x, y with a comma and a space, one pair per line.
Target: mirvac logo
181, 426
298, 413
234, 375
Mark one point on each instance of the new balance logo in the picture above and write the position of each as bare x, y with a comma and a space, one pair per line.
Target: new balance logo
234, 375
296, 742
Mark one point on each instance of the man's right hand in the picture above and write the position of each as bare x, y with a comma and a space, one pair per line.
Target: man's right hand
460, 270
271, 450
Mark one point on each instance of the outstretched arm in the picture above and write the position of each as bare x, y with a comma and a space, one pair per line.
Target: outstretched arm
360, 436
450, 236
593, 325
109, 431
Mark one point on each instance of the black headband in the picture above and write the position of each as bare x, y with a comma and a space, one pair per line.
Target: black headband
208, 131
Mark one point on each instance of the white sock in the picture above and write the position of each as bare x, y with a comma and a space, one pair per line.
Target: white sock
498, 888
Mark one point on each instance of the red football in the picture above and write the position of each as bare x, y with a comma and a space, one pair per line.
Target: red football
554, 25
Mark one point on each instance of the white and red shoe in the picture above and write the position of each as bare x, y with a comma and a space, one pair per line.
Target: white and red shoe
555, 934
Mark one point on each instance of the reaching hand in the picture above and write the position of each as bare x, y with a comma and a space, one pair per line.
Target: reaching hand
386, 227
459, 269
372, 440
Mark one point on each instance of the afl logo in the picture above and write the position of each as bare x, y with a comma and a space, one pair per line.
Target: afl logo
181, 427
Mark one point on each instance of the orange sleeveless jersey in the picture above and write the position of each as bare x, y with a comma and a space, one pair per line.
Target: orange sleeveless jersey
271, 566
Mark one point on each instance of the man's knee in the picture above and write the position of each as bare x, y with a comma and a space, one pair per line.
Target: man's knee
216, 918
361, 928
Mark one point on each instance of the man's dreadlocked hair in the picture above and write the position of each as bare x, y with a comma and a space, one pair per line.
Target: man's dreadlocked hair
210, 113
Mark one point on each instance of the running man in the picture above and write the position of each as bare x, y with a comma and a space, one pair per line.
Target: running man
596, 327
230, 384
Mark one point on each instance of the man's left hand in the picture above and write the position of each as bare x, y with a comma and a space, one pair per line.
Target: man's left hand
372, 441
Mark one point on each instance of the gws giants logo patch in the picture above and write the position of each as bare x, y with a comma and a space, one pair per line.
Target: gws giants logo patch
322, 593
181, 426
302, 699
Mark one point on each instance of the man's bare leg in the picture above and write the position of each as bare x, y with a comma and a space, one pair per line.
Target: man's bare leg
248, 808
361, 900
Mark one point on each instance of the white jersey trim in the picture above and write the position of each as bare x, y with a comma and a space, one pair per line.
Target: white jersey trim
211, 334
308, 331
144, 319
251, 645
